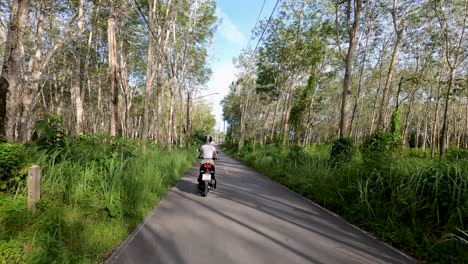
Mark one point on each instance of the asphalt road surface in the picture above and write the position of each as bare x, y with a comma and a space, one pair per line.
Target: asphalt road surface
247, 219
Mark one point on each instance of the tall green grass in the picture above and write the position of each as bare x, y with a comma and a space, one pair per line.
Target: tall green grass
417, 204
95, 191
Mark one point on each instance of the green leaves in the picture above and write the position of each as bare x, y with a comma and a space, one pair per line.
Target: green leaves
12, 160
342, 150
379, 147
41, 125
395, 127
11, 252
52, 133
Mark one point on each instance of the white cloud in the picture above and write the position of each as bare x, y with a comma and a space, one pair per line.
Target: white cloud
228, 30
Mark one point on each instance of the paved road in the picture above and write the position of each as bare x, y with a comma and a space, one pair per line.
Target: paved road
247, 219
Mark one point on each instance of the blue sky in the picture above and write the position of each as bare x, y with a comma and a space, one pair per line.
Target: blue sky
238, 19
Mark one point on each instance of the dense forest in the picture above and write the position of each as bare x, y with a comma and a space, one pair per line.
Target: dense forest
329, 69
125, 68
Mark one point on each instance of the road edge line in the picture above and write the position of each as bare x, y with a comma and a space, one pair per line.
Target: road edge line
119, 250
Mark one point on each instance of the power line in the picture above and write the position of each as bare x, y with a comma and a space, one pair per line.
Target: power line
258, 18
268, 22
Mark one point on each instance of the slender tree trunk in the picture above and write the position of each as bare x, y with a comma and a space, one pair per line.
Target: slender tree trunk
172, 90
272, 134
170, 125
409, 114
113, 64
308, 129
94, 116
456, 127
379, 87
353, 28
287, 113
387, 92
163, 38
159, 110
10, 79
444, 136
180, 87
243, 107
435, 134
452, 52
426, 121
357, 98
188, 128
181, 124
31, 94
61, 98
77, 83
148, 93
127, 94
418, 131
100, 109
265, 125
465, 129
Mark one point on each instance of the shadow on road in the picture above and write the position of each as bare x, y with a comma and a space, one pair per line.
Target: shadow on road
282, 244
250, 217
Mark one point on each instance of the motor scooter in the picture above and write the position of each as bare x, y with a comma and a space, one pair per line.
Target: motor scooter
206, 181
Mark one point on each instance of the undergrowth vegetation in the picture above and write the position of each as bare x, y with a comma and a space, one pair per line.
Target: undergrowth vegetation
400, 195
94, 191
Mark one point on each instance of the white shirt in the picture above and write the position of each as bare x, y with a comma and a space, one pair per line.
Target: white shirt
207, 151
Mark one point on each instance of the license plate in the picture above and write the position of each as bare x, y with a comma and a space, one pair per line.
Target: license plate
206, 177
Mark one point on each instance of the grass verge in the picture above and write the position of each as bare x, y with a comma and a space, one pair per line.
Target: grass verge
417, 204
95, 191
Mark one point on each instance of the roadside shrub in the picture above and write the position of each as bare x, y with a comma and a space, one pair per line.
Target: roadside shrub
247, 147
13, 214
198, 137
51, 133
378, 148
93, 192
83, 148
278, 140
342, 150
297, 154
229, 146
417, 204
412, 139
395, 128
12, 160
457, 154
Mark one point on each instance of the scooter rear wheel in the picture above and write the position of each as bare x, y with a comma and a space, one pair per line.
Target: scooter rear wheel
205, 193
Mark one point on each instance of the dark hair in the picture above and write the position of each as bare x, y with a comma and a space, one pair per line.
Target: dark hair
208, 139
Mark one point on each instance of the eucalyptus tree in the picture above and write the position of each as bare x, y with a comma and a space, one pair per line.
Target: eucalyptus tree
192, 32
113, 56
354, 9
82, 60
399, 27
278, 91
451, 19
11, 82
